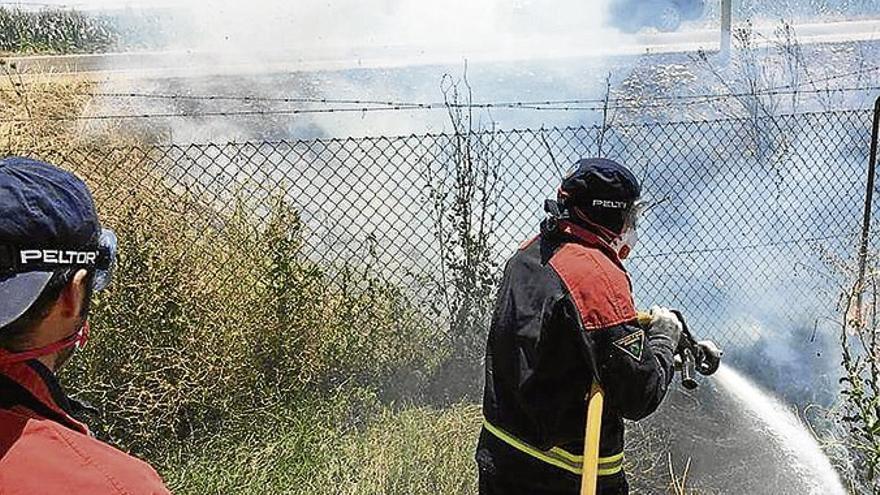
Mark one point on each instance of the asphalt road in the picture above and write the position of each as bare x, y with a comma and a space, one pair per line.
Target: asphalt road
201, 63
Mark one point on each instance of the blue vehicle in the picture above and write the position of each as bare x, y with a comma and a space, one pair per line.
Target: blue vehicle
665, 15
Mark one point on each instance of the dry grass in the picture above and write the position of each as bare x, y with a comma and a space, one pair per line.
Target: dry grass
414, 451
29, 107
214, 314
268, 378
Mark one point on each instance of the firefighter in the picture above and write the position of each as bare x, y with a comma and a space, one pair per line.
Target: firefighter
565, 317
53, 256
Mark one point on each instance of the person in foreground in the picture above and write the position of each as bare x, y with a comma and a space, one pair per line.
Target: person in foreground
53, 256
565, 317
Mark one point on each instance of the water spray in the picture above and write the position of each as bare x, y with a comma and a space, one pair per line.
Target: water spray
798, 448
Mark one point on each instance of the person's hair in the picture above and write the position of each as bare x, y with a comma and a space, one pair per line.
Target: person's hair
16, 335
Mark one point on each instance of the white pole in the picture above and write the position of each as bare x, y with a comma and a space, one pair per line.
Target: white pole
726, 19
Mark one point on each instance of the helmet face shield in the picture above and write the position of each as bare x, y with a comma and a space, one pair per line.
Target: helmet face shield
629, 236
108, 246
634, 215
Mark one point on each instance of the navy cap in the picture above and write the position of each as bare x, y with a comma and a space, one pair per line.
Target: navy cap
603, 189
47, 222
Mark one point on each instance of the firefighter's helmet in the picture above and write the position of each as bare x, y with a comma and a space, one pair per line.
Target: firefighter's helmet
601, 191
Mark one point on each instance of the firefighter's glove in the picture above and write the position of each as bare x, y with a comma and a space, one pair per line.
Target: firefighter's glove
665, 329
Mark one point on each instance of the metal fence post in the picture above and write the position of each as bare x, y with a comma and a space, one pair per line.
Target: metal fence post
726, 22
869, 200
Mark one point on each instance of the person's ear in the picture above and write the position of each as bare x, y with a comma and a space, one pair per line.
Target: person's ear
73, 295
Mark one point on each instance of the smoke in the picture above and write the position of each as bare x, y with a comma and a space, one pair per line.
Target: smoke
762, 299
385, 50
434, 29
755, 233
318, 26
393, 50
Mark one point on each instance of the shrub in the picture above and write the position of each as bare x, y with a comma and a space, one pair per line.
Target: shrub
215, 315
210, 320
54, 30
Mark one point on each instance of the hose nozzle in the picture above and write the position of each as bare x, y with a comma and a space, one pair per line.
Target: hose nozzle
710, 357
691, 356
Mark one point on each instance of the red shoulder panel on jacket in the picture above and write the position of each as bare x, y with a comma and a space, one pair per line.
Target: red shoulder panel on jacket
600, 289
41, 456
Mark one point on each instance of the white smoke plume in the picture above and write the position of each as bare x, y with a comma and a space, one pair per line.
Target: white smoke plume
388, 50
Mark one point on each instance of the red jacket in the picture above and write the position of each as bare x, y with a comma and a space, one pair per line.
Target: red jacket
43, 449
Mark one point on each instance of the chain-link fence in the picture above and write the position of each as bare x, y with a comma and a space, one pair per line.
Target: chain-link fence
752, 214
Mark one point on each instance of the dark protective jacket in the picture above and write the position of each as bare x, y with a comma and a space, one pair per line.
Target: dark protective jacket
564, 317
44, 449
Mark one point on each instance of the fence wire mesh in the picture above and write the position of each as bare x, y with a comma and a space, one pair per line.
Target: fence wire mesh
750, 211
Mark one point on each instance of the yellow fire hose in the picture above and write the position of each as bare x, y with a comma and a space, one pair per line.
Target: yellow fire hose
590, 473
595, 404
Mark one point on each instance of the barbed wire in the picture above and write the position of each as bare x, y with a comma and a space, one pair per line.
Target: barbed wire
582, 105
688, 100
788, 89
578, 101
252, 99
835, 77
234, 113
400, 107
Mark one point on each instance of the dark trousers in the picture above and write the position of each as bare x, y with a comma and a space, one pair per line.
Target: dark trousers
495, 484
507, 471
